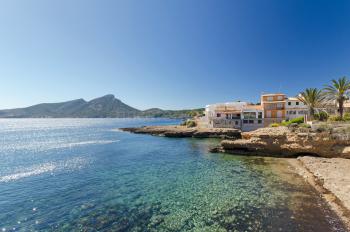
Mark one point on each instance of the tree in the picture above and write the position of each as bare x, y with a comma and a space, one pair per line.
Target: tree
338, 91
313, 98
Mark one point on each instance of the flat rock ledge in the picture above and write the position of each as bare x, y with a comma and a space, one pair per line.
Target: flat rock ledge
290, 142
182, 132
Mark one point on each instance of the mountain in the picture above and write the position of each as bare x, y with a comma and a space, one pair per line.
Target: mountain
104, 107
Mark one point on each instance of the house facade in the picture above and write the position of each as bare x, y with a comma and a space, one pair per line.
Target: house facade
224, 115
252, 117
295, 108
238, 115
274, 108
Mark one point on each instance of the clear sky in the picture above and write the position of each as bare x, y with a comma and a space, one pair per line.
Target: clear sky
169, 54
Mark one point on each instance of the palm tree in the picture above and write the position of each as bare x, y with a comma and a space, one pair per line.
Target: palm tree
313, 98
338, 91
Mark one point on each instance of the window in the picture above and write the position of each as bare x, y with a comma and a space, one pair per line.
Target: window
280, 98
218, 115
279, 114
259, 114
289, 103
259, 121
238, 115
297, 103
236, 122
268, 114
269, 98
251, 121
280, 106
249, 115
245, 121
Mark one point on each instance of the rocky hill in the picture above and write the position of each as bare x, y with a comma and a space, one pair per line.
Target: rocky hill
104, 107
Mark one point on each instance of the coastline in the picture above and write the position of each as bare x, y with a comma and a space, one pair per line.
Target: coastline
328, 176
316, 172
184, 132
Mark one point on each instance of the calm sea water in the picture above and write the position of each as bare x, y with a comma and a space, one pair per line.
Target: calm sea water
86, 175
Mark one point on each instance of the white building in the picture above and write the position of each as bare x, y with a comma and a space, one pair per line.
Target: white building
252, 117
239, 115
224, 115
295, 108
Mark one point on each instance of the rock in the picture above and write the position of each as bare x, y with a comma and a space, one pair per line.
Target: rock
284, 142
183, 131
294, 125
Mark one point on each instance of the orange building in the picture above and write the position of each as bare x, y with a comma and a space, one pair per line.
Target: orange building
274, 106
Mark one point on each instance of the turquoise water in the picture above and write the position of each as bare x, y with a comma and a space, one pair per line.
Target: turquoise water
85, 175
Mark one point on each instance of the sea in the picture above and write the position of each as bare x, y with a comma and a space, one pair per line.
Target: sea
87, 175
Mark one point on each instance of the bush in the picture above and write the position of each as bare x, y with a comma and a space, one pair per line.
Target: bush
285, 123
347, 116
274, 125
304, 125
317, 116
183, 123
297, 120
323, 116
190, 123
335, 118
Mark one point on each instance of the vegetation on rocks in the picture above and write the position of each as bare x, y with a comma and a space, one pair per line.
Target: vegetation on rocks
321, 116
292, 122
189, 123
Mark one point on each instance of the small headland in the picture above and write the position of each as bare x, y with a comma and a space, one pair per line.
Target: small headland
324, 140
184, 132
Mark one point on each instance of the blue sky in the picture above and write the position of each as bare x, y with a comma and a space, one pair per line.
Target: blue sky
169, 54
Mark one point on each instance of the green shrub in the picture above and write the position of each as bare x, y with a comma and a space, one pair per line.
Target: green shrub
347, 116
190, 123
323, 116
297, 120
183, 123
334, 118
285, 123
317, 117
304, 125
274, 125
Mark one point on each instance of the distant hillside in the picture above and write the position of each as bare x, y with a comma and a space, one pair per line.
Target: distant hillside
104, 107
159, 113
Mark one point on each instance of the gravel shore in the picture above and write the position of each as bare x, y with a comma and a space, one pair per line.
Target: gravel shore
331, 177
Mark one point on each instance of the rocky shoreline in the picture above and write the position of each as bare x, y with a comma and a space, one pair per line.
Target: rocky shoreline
331, 178
183, 132
290, 142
